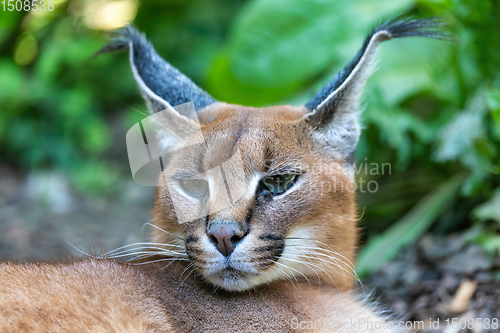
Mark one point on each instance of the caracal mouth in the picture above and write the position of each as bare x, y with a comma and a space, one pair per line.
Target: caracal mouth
231, 278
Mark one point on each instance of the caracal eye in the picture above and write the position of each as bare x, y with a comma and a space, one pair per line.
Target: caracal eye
194, 187
280, 183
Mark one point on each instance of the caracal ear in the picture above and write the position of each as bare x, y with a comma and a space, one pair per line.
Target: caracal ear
161, 85
171, 97
334, 111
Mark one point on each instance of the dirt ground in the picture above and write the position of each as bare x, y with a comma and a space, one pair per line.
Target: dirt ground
41, 219
439, 278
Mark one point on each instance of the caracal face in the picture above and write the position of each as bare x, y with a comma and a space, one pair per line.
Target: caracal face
303, 228
247, 195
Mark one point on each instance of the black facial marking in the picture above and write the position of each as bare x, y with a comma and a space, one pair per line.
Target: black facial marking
236, 139
191, 239
351, 158
248, 218
265, 264
192, 250
278, 247
270, 237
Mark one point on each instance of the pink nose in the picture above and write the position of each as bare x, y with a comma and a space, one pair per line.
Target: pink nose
225, 235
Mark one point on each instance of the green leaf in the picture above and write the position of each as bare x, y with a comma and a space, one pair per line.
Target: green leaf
493, 101
408, 229
95, 137
490, 243
95, 177
11, 82
283, 44
489, 210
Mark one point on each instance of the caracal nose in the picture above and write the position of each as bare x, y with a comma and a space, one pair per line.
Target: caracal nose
225, 236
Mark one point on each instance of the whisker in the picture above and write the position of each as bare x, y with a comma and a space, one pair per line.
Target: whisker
335, 265
349, 262
138, 248
156, 227
291, 268
140, 256
280, 270
300, 262
150, 253
190, 272
331, 249
76, 248
333, 255
308, 265
124, 247
143, 250
158, 260
191, 264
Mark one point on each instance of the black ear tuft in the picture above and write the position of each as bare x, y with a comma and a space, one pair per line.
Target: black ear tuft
431, 27
161, 84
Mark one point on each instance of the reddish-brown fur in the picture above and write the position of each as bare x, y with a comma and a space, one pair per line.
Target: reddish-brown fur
103, 296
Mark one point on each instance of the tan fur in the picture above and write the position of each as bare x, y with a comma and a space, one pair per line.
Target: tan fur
102, 296
85, 296
318, 217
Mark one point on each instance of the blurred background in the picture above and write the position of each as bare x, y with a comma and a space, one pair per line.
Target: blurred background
432, 113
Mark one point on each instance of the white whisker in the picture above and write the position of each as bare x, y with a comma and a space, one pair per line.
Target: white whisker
158, 260
280, 270
291, 268
162, 230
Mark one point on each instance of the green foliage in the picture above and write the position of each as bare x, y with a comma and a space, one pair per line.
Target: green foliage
62, 109
277, 48
487, 216
408, 229
433, 108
